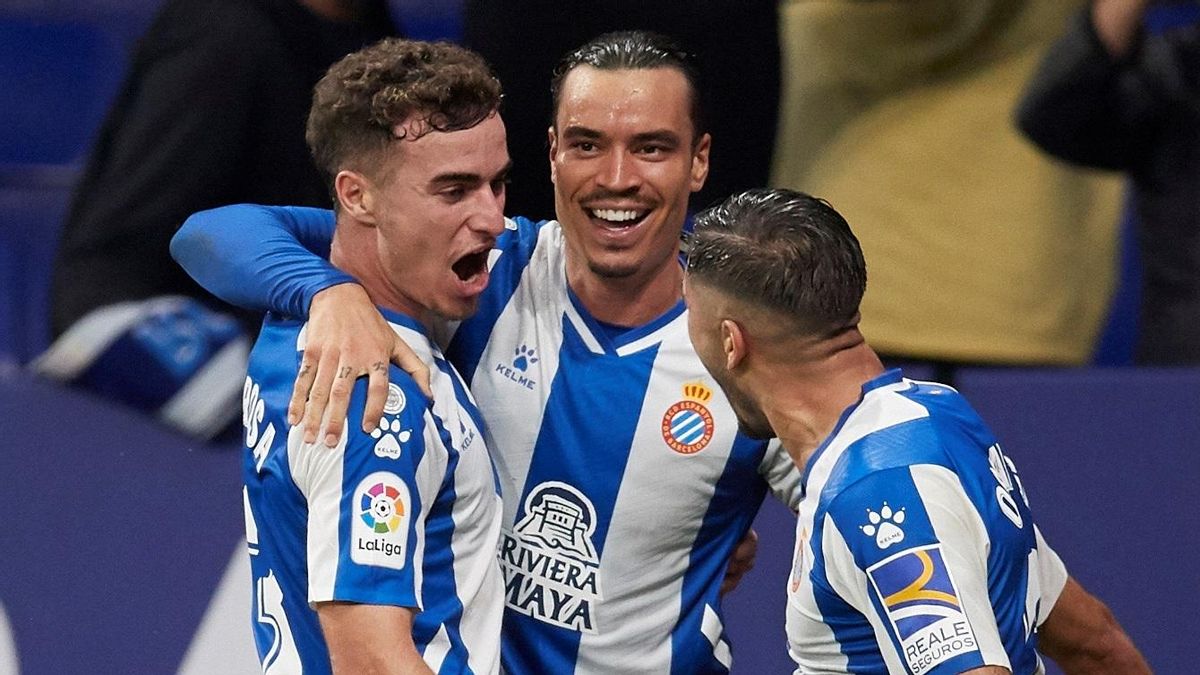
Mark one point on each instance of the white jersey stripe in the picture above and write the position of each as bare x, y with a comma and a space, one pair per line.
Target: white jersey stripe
959, 528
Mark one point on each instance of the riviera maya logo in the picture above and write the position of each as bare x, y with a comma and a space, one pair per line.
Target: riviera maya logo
884, 525
687, 426
561, 519
551, 569
381, 508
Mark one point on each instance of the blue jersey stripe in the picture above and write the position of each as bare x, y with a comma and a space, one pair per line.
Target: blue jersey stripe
605, 435
725, 523
440, 590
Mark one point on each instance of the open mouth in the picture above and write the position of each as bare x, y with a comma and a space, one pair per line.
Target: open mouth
471, 265
619, 218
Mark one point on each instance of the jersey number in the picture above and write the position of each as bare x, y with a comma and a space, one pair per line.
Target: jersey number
1009, 483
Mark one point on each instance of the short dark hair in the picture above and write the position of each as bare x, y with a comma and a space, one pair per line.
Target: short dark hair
360, 100
634, 50
787, 251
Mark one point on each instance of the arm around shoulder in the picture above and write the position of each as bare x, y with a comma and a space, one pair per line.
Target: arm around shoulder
260, 257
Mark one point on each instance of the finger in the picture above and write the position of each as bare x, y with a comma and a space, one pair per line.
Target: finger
318, 397
377, 392
304, 381
339, 401
409, 362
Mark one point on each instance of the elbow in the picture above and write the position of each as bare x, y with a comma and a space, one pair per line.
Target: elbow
186, 239
1103, 649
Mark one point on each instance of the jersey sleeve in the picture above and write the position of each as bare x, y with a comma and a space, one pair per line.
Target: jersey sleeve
1052, 576
914, 562
260, 257
367, 501
781, 474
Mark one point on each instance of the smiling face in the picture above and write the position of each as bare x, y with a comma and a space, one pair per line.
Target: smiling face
438, 205
624, 161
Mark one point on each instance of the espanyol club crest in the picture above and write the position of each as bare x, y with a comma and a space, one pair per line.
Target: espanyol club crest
687, 425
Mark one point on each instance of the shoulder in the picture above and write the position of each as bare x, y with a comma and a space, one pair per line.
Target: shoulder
521, 235
923, 423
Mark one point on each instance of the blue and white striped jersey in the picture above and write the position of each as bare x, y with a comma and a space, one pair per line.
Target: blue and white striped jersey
408, 515
916, 549
626, 483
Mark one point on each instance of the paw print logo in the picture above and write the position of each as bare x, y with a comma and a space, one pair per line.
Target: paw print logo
525, 357
388, 437
884, 526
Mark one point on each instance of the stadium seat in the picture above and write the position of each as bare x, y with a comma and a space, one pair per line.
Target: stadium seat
30, 220
59, 76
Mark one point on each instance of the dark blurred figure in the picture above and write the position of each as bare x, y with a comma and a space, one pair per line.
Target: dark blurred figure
737, 42
212, 112
1110, 95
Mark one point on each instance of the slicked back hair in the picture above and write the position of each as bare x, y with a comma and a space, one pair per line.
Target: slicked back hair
362, 98
635, 50
785, 251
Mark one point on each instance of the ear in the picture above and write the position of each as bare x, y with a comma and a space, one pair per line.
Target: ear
700, 162
734, 342
553, 138
356, 196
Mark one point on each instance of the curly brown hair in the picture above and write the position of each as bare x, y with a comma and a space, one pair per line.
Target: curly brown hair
426, 86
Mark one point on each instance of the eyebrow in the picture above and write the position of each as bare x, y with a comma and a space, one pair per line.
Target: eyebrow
576, 131
664, 136
467, 177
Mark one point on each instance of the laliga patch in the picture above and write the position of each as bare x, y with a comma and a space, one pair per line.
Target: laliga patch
379, 530
921, 602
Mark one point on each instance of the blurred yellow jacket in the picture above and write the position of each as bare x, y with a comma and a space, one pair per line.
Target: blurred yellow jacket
979, 248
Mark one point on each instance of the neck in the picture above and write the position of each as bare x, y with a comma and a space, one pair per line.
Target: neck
803, 399
626, 301
355, 251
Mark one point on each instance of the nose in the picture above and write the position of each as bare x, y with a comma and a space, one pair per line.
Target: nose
489, 212
619, 172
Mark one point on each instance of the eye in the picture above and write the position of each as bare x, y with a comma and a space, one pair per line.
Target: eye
585, 146
654, 150
453, 194
500, 185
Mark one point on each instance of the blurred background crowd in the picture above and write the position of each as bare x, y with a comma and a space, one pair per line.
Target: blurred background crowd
983, 150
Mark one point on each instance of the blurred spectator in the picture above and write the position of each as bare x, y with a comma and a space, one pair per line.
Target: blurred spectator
212, 112
737, 42
979, 248
1110, 96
